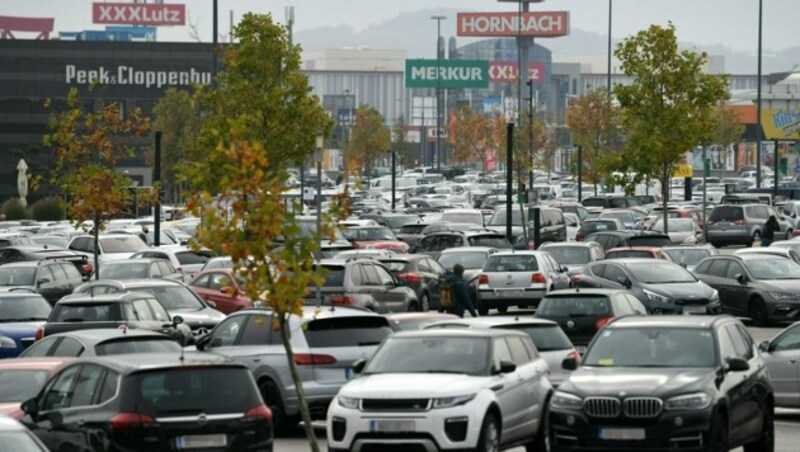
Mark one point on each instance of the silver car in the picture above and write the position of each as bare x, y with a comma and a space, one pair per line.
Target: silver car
518, 278
326, 343
782, 354
742, 224
550, 340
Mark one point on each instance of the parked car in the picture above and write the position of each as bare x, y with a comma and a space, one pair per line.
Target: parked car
434, 244
472, 258
742, 224
21, 379
581, 313
393, 221
371, 253
185, 260
518, 278
663, 287
101, 342
682, 231
708, 373
52, 279
410, 321
788, 253
111, 246
50, 241
22, 313
381, 238
421, 273
191, 400
36, 253
618, 239
609, 202
469, 216
631, 219
573, 208
141, 268
781, 354
325, 344
793, 244
469, 389
689, 256
550, 341
552, 226
221, 287
411, 233
14, 239
764, 288
642, 252
18, 438
590, 226
574, 255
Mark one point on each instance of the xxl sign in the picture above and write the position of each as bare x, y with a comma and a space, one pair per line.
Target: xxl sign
540, 24
447, 74
138, 14
129, 75
507, 71
780, 124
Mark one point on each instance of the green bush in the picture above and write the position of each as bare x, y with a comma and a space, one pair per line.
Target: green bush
13, 210
48, 209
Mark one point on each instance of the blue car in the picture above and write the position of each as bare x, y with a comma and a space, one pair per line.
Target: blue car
21, 314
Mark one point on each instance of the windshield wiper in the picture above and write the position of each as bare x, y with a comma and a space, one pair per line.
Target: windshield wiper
368, 343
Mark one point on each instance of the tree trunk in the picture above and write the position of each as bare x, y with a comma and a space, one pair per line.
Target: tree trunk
298, 384
96, 247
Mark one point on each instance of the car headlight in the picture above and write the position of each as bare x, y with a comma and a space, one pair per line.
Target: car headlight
698, 401
784, 295
447, 402
714, 295
7, 342
565, 400
652, 296
347, 402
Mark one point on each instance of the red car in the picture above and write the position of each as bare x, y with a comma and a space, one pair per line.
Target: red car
639, 252
222, 288
377, 237
21, 379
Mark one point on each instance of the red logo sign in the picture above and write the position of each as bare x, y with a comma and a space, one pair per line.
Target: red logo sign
542, 24
506, 71
138, 14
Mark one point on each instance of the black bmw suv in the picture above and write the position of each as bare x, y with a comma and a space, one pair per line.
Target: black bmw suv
689, 383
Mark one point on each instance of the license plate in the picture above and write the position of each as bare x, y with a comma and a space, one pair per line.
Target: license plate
622, 434
201, 441
391, 426
695, 309
348, 373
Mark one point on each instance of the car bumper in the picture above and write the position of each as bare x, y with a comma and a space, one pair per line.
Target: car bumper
671, 431
729, 237
783, 310
318, 397
511, 297
355, 430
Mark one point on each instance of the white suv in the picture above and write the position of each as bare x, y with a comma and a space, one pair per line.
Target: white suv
445, 390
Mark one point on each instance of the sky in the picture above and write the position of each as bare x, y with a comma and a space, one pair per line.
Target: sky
732, 23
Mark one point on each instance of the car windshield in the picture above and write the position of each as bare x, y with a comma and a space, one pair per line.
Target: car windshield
661, 273
132, 345
490, 241
688, 256
436, 354
675, 225
23, 308
124, 270
412, 228
512, 263
334, 276
726, 213
17, 276
773, 268
94, 312
569, 255
468, 260
358, 331
597, 226
174, 297
18, 385
575, 306
547, 338
652, 347
122, 244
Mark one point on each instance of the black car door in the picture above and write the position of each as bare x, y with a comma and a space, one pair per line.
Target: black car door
46, 284
734, 385
748, 423
82, 422
47, 422
63, 285
737, 295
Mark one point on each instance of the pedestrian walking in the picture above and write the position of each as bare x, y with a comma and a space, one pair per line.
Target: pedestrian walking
463, 302
770, 228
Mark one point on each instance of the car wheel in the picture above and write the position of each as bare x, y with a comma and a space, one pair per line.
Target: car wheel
542, 441
765, 442
502, 309
483, 310
425, 302
756, 239
489, 440
282, 425
758, 312
719, 434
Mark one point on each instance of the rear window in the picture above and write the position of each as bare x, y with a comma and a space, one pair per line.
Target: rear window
124, 270
334, 276
645, 240
359, 331
490, 241
94, 312
130, 244
726, 213
190, 258
586, 306
629, 253
594, 202
148, 345
547, 338
412, 228
519, 263
190, 391
396, 266
17, 276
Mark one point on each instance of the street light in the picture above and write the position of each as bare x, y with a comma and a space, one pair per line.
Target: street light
608, 76
320, 141
758, 96
438, 20
394, 167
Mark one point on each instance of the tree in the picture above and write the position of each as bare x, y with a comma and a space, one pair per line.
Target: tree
668, 109
369, 140
88, 147
594, 122
466, 134
241, 182
178, 119
405, 150
728, 128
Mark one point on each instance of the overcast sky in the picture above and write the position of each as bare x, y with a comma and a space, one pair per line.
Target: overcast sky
707, 22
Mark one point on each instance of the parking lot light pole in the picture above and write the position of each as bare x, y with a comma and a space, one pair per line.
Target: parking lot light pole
394, 167
320, 141
439, 49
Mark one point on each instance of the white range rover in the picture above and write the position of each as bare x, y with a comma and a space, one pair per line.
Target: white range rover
434, 390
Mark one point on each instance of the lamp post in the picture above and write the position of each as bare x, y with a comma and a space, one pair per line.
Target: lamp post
608, 76
530, 132
394, 167
439, 49
320, 141
758, 96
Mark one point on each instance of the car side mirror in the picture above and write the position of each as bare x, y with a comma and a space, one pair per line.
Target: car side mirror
202, 342
564, 269
358, 365
30, 407
625, 282
763, 346
211, 303
741, 278
738, 365
506, 367
177, 320
569, 363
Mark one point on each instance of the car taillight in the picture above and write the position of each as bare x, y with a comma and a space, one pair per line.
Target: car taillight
39, 334
710, 222
603, 321
341, 300
575, 278
409, 277
128, 421
741, 222
259, 412
87, 268
578, 237
310, 359
483, 279
538, 278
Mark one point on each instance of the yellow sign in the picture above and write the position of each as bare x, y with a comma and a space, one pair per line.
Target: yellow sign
682, 171
780, 124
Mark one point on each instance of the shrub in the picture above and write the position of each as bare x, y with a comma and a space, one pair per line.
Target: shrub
48, 209
13, 210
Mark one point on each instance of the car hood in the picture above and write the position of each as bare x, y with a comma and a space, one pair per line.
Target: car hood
681, 291
411, 385
779, 285
20, 329
633, 381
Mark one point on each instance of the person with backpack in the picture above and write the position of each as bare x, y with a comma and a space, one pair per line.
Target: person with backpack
463, 302
770, 228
